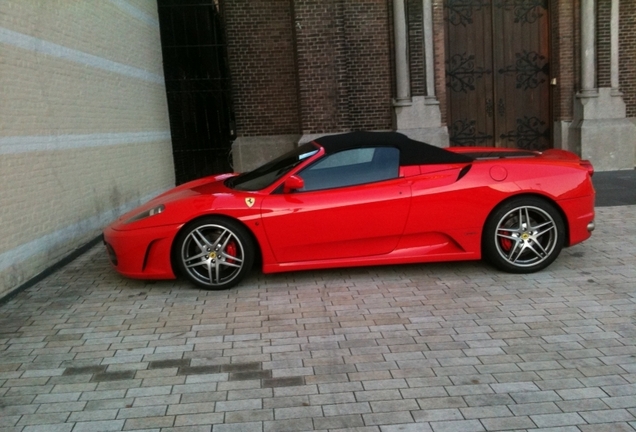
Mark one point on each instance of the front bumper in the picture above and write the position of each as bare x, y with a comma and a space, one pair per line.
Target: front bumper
142, 253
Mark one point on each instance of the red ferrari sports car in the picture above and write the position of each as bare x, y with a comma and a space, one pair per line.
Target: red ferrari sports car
361, 198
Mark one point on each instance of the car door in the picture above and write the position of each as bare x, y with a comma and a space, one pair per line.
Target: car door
353, 205
446, 214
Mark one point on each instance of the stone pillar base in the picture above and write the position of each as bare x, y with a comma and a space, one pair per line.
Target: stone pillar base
421, 121
608, 143
601, 133
560, 135
251, 152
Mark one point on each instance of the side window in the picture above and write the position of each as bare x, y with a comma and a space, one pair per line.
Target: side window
352, 167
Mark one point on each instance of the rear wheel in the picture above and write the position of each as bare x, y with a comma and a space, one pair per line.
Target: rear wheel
214, 253
524, 235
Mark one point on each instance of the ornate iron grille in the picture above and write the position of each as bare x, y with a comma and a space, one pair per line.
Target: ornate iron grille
198, 87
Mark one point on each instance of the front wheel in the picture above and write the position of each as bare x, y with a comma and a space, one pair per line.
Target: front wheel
524, 235
214, 253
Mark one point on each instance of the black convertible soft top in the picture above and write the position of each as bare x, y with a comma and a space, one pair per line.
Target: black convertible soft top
411, 152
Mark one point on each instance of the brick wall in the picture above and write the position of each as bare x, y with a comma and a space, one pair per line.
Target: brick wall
309, 66
83, 125
627, 50
344, 61
262, 66
344, 66
368, 65
564, 56
416, 51
627, 53
603, 44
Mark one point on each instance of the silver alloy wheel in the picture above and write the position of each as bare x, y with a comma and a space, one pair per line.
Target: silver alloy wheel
213, 255
526, 236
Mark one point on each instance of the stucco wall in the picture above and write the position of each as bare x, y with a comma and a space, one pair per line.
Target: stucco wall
84, 132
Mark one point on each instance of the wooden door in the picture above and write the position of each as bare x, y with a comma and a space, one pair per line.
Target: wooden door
497, 73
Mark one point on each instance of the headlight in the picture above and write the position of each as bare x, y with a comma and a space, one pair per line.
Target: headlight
150, 212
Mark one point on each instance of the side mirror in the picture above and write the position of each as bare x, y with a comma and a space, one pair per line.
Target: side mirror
293, 183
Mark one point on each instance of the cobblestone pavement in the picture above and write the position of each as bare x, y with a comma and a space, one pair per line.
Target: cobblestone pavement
440, 347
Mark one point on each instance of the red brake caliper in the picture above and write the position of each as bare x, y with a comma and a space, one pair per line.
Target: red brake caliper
230, 249
506, 244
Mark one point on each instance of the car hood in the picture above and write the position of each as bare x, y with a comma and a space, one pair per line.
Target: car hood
198, 194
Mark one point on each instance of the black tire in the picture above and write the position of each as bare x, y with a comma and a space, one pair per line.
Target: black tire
214, 253
524, 235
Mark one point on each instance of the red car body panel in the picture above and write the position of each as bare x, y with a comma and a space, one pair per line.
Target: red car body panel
430, 213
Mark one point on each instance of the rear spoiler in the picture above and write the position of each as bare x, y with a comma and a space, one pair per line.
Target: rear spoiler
567, 155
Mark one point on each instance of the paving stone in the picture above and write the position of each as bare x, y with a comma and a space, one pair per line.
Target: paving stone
607, 416
99, 426
457, 426
485, 412
409, 427
185, 420
432, 415
175, 363
435, 347
582, 393
40, 419
621, 401
394, 405
283, 382
609, 427
238, 405
465, 390
285, 402
291, 425
579, 405
297, 412
387, 418
441, 402
238, 427
338, 422
249, 416
60, 427
193, 388
553, 420
60, 407
147, 411
113, 376
488, 400
507, 423
94, 414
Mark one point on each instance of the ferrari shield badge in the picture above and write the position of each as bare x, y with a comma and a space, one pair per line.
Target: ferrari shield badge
250, 201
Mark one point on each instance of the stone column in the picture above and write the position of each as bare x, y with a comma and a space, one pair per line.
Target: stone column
402, 77
428, 48
614, 50
600, 130
418, 117
588, 50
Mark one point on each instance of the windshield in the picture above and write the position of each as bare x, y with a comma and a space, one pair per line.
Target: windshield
267, 174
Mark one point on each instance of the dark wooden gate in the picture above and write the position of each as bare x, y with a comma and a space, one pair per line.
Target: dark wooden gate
497, 73
197, 86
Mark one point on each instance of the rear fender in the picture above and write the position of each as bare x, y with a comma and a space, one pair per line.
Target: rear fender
545, 198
